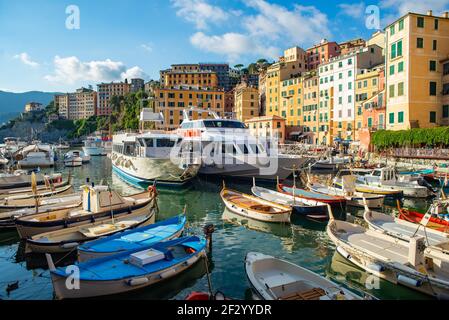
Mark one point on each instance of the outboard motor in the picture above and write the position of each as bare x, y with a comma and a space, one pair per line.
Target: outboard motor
422, 182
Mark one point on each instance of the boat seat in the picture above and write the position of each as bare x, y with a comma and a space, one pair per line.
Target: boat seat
260, 207
312, 294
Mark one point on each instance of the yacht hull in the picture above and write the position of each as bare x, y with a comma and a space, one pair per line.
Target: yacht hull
282, 169
143, 171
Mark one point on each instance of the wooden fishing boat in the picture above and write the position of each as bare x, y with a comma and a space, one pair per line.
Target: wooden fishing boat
71, 201
68, 239
392, 259
311, 195
129, 270
304, 207
403, 229
47, 185
355, 199
275, 279
29, 200
434, 222
132, 239
99, 204
18, 181
255, 208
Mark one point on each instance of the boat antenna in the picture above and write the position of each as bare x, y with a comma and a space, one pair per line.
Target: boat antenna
209, 281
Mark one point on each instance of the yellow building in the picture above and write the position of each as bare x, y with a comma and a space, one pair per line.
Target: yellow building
246, 102
416, 45
310, 111
267, 127
445, 116
171, 101
367, 85
291, 101
290, 66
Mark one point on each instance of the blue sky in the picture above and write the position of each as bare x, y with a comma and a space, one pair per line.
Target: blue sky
122, 39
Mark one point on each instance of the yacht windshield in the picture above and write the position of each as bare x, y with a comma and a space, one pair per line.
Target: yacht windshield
224, 124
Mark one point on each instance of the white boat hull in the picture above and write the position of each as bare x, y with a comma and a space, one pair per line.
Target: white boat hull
146, 170
94, 151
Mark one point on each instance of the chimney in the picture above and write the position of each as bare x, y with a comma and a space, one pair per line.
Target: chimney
446, 14
429, 12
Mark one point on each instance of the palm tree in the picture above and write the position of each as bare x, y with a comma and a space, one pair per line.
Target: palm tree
238, 66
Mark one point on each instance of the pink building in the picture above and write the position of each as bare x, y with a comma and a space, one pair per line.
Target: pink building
321, 52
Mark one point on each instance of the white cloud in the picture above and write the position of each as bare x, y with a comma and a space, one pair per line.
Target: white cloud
233, 45
302, 25
71, 69
404, 6
355, 10
147, 47
26, 59
199, 12
134, 72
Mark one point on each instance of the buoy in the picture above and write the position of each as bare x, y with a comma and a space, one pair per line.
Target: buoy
168, 273
409, 281
137, 281
375, 267
343, 252
70, 245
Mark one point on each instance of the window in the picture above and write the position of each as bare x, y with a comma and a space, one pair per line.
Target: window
391, 117
392, 91
349, 99
434, 45
401, 25
350, 73
420, 43
400, 66
393, 51
436, 24
446, 111
420, 22
446, 69
365, 83
433, 88
370, 122
374, 82
350, 62
399, 48
432, 117
401, 117
391, 70
400, 89
340, 87
432, 65
445, 89
392, 30
349, 85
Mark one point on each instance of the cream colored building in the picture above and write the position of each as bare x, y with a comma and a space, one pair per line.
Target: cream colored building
268, 127
33, 106
416, 46
77, 105
246, 102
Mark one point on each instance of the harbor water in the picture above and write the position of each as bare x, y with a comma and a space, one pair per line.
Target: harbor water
304, 242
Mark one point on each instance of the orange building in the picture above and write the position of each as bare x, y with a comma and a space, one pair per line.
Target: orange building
106, 91
321, 52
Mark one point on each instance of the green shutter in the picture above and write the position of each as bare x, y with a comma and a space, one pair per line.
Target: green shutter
391, 115
399, 48
401, 117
